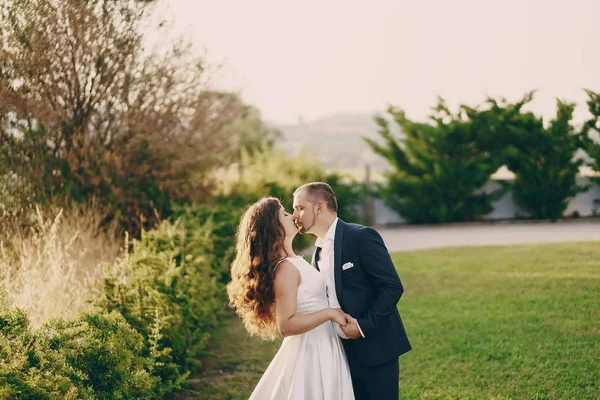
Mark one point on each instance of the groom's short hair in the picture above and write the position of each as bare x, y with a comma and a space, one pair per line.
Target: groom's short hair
320, 191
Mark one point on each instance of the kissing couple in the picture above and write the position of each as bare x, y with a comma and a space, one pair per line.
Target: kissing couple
339, 318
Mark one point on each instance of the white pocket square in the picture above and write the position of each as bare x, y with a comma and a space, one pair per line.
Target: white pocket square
346, 266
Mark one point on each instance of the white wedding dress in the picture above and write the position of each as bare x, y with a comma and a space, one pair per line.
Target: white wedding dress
313, 365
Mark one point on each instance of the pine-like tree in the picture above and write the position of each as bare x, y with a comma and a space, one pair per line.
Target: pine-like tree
438, 169
543, 159
591, 132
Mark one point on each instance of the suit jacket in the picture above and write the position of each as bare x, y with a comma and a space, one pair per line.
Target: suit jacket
369, 291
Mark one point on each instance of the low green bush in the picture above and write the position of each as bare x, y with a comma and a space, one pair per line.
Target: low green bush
167, 282
95, 356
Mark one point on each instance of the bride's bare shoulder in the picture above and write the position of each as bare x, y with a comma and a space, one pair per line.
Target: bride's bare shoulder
286, 271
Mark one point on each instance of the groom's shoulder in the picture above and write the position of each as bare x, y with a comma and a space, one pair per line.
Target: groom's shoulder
360, 230
356, 228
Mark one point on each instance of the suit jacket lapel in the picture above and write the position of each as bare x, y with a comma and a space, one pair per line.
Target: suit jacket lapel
337, 247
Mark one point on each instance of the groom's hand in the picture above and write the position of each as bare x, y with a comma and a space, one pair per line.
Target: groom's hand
351, 330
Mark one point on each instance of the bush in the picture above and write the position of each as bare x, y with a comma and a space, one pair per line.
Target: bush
590, 134
543, 160
15, 207
105, 354
351, 196
158, 307
438, 168
221, 216
167, 280
95, 356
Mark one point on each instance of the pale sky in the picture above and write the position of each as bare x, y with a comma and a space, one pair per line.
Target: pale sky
313, 58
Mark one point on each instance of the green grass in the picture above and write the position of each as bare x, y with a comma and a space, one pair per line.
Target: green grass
485, 323
236, 364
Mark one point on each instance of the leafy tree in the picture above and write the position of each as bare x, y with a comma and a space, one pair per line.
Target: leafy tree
543, 160
86, 111
590, 131
438, 168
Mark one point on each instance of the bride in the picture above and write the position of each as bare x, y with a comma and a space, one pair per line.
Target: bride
275, 291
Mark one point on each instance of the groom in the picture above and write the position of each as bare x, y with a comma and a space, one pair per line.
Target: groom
362, 281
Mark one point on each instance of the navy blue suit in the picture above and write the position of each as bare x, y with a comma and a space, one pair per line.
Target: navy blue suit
369, 292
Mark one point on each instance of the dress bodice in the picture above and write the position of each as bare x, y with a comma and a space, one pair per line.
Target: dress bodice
312, 292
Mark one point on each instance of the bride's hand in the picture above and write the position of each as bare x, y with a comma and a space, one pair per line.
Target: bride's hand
338, 316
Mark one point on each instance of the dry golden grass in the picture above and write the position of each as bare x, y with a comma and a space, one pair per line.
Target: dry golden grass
52, 268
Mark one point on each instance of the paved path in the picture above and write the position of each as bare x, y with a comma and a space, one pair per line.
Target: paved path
407, 237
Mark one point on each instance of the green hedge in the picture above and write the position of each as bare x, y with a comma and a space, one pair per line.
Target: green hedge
158, 305
439, 168
96, 356
148, 330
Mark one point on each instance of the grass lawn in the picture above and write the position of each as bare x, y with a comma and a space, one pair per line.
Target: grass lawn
515, 322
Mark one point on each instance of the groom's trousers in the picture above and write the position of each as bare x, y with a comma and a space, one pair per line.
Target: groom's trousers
380, 382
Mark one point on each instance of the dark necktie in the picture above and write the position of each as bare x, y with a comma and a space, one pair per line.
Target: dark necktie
316, 259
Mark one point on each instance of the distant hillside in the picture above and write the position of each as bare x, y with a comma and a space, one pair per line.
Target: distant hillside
336, 140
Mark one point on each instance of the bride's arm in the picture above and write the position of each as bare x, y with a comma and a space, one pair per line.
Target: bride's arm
287, 280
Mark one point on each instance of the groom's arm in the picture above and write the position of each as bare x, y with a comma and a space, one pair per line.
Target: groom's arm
379, 267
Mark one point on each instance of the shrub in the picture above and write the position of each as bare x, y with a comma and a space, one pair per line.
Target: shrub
438, 168
590, 134
543, 160
158, 307
102, 353
95, 356
168, 278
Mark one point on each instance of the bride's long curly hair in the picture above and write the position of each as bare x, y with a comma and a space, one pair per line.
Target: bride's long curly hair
260, 238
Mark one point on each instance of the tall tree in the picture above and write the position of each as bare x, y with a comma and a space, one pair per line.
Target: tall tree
438, 168
87, 111
543, 160
591, 132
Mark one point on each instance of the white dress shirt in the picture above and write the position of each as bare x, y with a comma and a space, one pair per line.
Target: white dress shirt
326, 264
